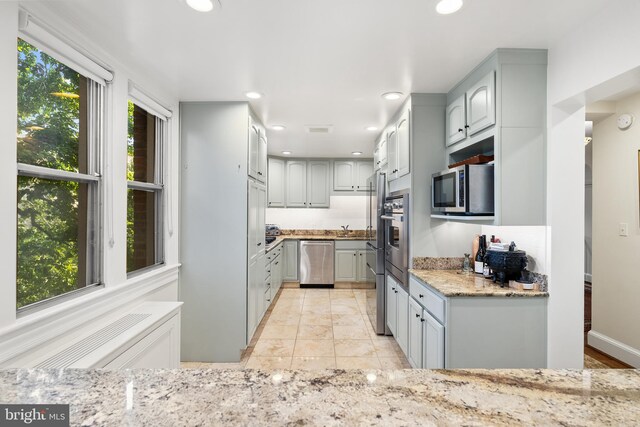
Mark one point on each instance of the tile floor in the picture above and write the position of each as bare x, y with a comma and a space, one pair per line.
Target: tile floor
322, 329
317, 329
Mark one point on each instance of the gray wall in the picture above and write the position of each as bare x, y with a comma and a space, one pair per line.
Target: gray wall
213, 237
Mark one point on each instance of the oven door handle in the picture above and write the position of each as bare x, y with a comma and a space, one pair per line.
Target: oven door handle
399, 218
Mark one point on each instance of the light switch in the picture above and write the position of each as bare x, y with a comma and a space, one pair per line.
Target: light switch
623, 229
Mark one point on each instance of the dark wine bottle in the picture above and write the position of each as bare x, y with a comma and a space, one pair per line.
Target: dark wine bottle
478, 265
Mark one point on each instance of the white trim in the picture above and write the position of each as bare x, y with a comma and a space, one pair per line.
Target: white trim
614, 348
31, 31
152, 106
36, 329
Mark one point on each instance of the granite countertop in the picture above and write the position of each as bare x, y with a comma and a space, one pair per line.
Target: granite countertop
330, 398
455, 283
334, 236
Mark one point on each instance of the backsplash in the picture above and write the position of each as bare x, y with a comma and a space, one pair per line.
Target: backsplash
344, 210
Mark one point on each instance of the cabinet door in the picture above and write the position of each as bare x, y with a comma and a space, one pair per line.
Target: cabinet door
252, 223
415, 334
254, 140
276, 183
252, 300
456, 116
404, 144
376, 157
391, 303
318, 184
433, 343
262, 157
363, 272
364, 169
346, 265
296, 184
382, 152
403, 319
276, 276
343, 173
290, 266
392, 154
261, 218
481, 104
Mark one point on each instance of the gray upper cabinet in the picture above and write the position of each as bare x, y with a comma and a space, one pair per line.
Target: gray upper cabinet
364, 169
456, 120
481, 107
296, 184
404, 144
511, 127
318, 183
380, 153
262, 157
351, 175
276, 183
392, 153
343, 172
254, 142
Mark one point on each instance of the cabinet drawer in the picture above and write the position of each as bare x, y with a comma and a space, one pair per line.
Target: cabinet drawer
431, 301
351, 244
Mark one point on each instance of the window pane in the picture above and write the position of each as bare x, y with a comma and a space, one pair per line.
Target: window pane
141, 145
141, 229
52, 103
52, 237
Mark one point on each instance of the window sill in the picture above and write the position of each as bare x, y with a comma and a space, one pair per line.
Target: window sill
36, 328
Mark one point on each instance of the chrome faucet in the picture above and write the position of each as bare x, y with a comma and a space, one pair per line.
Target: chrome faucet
345, 229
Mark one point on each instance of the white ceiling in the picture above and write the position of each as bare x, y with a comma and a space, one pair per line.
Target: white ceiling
318, 62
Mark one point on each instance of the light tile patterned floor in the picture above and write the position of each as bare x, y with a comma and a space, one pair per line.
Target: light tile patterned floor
320, 329
317, 329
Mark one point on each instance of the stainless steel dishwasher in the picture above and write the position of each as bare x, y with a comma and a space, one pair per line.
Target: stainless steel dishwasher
317, 263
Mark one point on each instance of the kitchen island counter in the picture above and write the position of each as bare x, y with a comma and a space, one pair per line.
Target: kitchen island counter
455, 283
337, 397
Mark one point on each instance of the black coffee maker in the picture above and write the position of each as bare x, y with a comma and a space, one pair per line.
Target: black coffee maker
506, 265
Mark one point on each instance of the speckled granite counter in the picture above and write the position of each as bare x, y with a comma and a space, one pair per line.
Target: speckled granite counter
259, 398
454, 283
335, 235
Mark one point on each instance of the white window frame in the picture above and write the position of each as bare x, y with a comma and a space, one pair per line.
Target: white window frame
162, 115
48, 43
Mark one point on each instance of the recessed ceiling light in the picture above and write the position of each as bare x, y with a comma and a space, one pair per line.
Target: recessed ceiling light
357, 153
392, 96
278, 127
371, 128
201, 5
286, 153
446, 7
253, 95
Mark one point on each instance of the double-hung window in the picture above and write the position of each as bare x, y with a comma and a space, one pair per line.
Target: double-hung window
59, 136
147, 128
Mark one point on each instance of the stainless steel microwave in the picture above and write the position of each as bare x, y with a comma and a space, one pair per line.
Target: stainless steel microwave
464, 190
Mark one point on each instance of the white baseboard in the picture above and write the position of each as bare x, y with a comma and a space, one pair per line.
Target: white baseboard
614, 348
587, 277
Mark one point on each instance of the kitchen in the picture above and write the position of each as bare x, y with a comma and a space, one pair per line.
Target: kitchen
208, 207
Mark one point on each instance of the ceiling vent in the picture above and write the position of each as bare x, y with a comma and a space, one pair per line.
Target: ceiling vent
319, 128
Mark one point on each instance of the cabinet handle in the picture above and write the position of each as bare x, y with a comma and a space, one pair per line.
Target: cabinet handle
422, 320
354, 254
417, 315
277, 262
421, 296
467, 126
310, 204
352, 186
393, 289
396, 292
268, 300
260, 244
460, 130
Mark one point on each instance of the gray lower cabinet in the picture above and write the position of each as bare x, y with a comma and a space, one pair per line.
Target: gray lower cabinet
473, 332
416, 320
290, 273
402, 328
346, 265
392, 304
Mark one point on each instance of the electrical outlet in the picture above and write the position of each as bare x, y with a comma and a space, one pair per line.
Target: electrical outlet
623, 229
